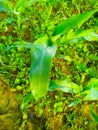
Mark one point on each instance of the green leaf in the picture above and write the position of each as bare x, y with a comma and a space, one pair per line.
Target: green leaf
92, 83
53, 86
73, 22
88, 35
93, 114
65, 86
90, 92
5, 5
41, 58
19, 45
93, 57
68, 86
58, 104
76, 36
64, 57
23, 4
25, 101
75, 102
91, 37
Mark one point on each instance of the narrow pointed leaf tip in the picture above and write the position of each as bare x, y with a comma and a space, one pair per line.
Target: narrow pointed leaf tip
73, 22
40, 68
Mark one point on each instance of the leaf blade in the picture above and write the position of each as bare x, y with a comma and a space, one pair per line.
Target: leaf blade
40, 68
65, 86
73, 22
88, 35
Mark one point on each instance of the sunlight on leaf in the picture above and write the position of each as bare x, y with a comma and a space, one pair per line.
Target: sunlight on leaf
88, 35
65, 86
92, 94
41, 58
68, 86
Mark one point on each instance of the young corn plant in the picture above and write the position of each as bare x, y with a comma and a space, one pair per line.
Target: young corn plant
43, 50
18, 9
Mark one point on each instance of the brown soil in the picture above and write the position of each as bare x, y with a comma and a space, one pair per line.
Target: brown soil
10, 114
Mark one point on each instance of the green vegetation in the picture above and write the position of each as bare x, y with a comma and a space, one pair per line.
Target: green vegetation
48, 57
